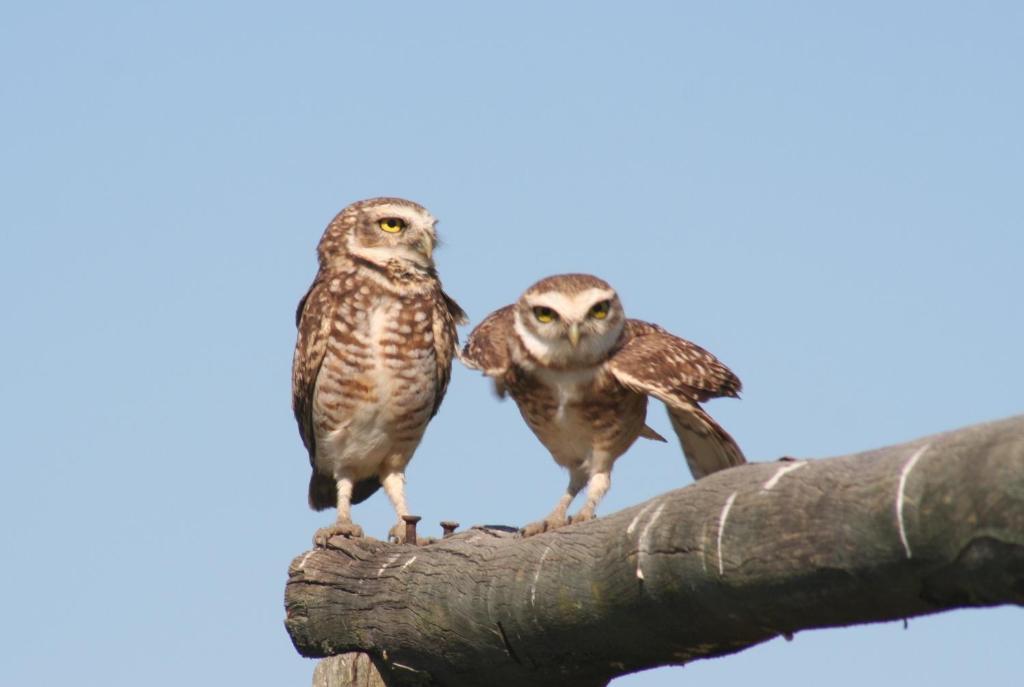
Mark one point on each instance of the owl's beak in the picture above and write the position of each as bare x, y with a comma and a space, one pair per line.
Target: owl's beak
574, 334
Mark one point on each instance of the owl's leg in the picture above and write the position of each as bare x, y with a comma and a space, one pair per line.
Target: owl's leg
394, 486
556, 519
343, 525
596, 489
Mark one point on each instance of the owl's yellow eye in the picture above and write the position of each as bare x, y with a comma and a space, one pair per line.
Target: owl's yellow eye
391, 225
544, 314
600, 310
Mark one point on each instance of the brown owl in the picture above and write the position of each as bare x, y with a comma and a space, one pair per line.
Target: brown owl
581, 372
376, 337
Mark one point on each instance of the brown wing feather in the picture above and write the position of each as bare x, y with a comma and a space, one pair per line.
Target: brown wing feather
487, 347
670, 366
313, 319
447, 314
459, 315
680, 374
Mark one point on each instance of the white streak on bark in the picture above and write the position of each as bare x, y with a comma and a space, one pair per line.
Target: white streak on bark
778, 475
634, 521
304, 559
387, 564
642, 545
395, 664
721, 529
536, 576
904, 473
408, 563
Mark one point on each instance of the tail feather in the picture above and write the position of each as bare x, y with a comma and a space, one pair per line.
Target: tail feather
708, 447
323, 491
648, 433
364, 489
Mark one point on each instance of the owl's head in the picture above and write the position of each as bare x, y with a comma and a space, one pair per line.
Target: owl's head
380, 230
569, 320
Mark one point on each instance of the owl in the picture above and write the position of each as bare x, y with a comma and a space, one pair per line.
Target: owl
581, 372
376, 338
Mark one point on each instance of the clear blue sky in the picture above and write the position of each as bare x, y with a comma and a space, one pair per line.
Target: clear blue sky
826, 195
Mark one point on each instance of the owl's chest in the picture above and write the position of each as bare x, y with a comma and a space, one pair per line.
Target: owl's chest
569, 410
399, 346
378, 381
578, 414
383, 351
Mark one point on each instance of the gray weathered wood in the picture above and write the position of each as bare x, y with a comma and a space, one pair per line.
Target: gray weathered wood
347, 670
738, 558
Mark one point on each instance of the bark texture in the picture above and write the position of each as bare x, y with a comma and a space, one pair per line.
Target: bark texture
731, 561
347, 670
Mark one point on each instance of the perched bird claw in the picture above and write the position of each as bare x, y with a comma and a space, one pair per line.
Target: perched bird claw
349, 530
582, 516
546, 525
396, 535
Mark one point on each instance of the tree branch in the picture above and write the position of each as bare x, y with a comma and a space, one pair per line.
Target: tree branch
739, 557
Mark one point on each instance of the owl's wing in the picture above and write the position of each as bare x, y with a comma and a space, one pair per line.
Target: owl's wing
681, 374
487, 347
313, 319
447, 314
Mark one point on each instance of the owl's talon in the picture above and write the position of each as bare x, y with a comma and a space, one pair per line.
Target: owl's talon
396, 535
582, 516
349, 530
546, 525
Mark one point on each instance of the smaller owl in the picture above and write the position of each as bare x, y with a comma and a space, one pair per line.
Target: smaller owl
376, 338
581, 372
